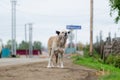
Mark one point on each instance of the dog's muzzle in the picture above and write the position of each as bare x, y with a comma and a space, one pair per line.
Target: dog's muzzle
65, 34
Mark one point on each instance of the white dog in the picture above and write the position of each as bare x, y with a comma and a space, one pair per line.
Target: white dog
56, 45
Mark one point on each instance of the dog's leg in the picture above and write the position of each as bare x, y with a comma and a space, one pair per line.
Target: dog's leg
58, 62
50, 62
57, 59
61, 61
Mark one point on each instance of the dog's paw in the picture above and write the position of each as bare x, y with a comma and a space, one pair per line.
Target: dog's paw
48, 66
52, 66
62, 66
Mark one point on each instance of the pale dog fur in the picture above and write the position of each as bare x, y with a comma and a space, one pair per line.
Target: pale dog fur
56, 45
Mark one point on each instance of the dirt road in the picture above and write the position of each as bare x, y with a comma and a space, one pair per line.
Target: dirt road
38, 71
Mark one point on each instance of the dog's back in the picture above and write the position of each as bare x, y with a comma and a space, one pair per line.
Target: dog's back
51, 40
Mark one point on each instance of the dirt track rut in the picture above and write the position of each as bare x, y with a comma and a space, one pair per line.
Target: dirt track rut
38, 71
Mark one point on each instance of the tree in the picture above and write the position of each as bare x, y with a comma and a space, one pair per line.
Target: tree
9, 44
37, 45
80, 46
115, 7
23, 45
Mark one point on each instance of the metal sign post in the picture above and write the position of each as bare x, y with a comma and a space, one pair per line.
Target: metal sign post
74, 27
71, 37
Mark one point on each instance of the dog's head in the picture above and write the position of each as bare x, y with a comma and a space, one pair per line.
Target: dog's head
63, 33
62, 37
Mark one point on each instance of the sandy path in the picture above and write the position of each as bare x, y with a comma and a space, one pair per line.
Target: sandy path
38, 71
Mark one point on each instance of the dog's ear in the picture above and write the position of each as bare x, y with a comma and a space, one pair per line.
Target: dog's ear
57, 32
69, 32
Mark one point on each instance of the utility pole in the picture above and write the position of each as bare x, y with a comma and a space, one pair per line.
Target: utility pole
26, 32
26, 38
13, 25
91, 27
30, 40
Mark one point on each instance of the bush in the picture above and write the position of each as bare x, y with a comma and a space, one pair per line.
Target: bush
113, 60
80, 46
86, 51
110, 59
117, 61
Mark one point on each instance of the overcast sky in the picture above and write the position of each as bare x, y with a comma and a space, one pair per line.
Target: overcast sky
48, 16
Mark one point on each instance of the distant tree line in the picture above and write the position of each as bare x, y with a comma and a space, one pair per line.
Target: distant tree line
37, 45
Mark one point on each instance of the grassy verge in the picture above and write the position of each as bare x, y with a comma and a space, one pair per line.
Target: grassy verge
113, 73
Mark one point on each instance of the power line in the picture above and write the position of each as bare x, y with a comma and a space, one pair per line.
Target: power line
4, 5
27, 16
3, 1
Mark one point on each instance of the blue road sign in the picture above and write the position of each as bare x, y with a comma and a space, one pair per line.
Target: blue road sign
73, 27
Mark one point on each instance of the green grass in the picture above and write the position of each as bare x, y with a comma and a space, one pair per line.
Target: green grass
111, 76
97, 64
